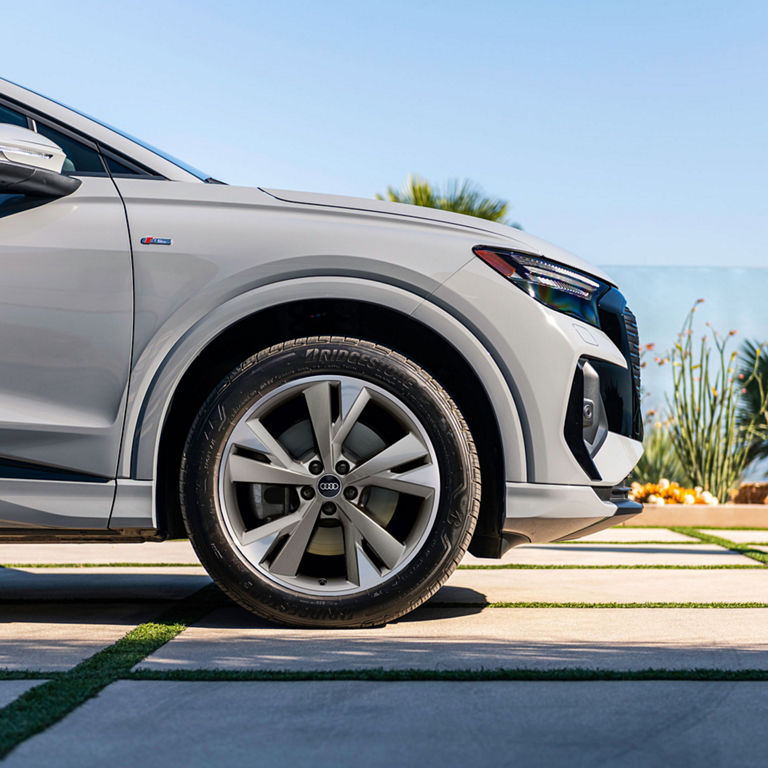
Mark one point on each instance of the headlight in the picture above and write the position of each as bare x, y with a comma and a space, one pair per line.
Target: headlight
559, 287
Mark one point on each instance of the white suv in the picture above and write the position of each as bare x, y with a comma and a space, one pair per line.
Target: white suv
333, 398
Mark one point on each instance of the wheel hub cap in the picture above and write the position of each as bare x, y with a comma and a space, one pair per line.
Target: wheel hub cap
329, 486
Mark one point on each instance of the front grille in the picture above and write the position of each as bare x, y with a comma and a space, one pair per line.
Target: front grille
619, 324
633, 347
633, 341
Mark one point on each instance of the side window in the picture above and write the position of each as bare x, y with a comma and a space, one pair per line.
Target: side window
9, 116
118, 169
80, 158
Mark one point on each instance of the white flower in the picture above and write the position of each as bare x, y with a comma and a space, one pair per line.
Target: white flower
663, 483
689, 499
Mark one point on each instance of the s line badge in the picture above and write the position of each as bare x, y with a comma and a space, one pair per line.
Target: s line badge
156, 241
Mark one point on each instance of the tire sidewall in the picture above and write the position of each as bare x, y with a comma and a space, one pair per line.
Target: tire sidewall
257, 377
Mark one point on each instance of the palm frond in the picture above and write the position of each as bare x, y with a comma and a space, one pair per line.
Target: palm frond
752, 407
459, 196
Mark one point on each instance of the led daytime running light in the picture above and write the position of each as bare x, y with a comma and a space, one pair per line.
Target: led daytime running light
555, 285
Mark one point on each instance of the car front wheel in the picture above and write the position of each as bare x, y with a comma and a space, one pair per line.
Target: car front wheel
330, 482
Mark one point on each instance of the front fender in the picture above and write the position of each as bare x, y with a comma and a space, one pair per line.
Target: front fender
163, 363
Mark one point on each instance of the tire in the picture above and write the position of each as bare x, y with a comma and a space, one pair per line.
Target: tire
378, 536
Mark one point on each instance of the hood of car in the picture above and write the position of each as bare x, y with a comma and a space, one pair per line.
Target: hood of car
491, 230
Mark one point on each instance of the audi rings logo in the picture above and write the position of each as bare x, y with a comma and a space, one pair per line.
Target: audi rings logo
329, 486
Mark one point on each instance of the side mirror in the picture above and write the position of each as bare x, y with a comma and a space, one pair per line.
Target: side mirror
31, 164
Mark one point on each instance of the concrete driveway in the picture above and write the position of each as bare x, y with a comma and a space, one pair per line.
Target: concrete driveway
636, 646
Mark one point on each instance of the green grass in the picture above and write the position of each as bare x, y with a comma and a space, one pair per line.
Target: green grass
742, 549
46, 704
632, 543
457, 675
535, 604
24, 674
525, 566
400, 675
708, 527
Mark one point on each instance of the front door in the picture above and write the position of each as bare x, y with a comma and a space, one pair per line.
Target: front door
66, 318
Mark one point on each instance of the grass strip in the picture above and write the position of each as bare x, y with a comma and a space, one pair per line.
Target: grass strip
459, 675
537, 604
708, 527
25, 674
46, 704
588, 542
742, 549
530, 566
396, 675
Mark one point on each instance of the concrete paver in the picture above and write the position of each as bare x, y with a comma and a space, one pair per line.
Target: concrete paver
473, 586
606, 586
104, 584
638, 535
589, 553
737, 535
429, 724
12, 689
52, 618
618, 554
148, 552
459, 638
57, 636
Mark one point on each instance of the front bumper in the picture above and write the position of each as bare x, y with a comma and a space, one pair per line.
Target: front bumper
540, 352
576, 388
536, 512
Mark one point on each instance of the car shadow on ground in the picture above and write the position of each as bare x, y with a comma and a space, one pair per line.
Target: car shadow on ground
83, 597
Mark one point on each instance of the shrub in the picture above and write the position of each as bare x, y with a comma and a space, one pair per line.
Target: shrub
713, 446
753, 403
659, 459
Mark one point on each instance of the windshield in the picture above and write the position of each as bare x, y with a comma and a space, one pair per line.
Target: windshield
170, 158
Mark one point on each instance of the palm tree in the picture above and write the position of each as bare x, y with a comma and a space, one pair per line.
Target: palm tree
754, 403
457, 196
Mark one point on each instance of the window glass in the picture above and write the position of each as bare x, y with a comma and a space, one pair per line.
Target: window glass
9, 116
80, 159
118, 168
200, 175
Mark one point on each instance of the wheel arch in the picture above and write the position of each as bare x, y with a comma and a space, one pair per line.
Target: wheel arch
386, 319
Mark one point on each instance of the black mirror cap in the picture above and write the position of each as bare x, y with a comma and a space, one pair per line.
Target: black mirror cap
28, 180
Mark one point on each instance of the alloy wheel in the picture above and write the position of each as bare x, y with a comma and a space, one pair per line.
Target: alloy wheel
328, 485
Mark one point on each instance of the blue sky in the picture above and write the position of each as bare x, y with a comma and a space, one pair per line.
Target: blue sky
627, 132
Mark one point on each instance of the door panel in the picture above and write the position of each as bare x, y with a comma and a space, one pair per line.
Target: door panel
66, 304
